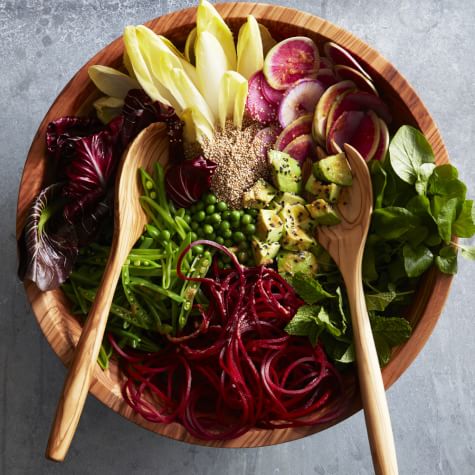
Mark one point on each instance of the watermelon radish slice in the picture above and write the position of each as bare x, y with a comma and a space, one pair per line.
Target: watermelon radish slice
359, 129
325, 63
339, 55
300, 148
358, 100
383, 146
327, 77
290, 60
272, 95
300, 126
265, 139
324, 106
362, 82
256, 105
300, 99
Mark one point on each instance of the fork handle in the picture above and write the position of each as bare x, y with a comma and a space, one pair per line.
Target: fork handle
78, 380
378, 422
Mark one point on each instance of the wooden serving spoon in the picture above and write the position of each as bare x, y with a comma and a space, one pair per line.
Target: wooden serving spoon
345, 243
150, 146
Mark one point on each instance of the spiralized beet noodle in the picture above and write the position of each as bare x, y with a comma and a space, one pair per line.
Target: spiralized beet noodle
240, 370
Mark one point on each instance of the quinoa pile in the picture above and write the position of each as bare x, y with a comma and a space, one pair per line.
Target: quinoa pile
240, 159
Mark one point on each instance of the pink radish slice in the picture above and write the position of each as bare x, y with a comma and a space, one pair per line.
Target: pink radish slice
358, 100
290, 60
362, 82
265, 139
327, 77
270, 94
257, 107
343, 130
360, 130
300, 148
383, 146
300, 99
325, 63
339, 55
300, 126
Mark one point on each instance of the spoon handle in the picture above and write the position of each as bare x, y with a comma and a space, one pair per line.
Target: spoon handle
378, 422
78, 380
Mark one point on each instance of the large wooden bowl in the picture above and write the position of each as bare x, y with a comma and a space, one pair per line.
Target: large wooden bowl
52, 308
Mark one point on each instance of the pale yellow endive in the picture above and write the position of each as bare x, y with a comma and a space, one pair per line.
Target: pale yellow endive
250, 53
112, 82
232, 98
197, 128
190, 46
107, 108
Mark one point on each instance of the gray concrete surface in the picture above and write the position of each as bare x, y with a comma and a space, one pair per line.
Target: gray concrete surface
43, 42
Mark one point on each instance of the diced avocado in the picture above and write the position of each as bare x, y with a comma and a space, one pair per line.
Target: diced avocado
282, 199
334, 169
286, 171
296, 239
293, 262
264, 252
330, 192
259, 195
297, 215
323, 213
269, 225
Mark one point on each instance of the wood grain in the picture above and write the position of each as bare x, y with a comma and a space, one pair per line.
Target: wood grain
345, 242
61, 328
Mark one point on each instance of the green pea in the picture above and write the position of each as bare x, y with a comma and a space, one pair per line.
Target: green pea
249, 229
211, 199
215, 218
228, 242
208, 229
197, 250
242, 256
194, 225
226, 214
253, 212
235, 215
235, 224
148, 185
243, 245
193, 237
220, 240
224, 226
246, 219
238, 236
200, 216
221, 265
187, 218
210, 209
200, 232
211, 237
227, 234
200, 206
165, 235
222, 206
192, 209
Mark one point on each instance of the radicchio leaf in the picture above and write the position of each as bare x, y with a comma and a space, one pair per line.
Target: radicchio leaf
48, 246
91, 170
186, 181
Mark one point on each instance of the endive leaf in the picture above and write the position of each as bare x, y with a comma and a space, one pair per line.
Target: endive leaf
232, 98
158, 45
128, 64
108, 108
197, 128
211, 64
208, 19
154, 90
267, 41
250, 55
112, 82
190, 46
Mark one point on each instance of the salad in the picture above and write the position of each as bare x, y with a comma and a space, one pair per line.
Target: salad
229, 315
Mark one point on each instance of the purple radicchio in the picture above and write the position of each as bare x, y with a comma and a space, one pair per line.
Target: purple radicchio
186, 181
49, 245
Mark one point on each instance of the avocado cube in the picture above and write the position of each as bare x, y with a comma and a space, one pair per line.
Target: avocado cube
296, 239
323, 213
330, 192
282, 199
259, 195
269, 226
299, 216
286, 171
334, 169
264, 252
293, 262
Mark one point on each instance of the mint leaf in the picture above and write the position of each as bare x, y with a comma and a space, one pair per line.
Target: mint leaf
337, 350
393, 222
446, 261
444, 182
324, 320
468, 252
408, 150
309, 289
388, 332
303, 321
464, 226
379, 181
416, 260
444, 212
379, 302
341, 310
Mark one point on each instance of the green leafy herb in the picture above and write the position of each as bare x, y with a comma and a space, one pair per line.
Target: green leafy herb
468, 252
309, 289
393, 222
464, 226
416, 260
379, 301
446, 261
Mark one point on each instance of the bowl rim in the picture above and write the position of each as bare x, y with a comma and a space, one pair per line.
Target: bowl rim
49, 307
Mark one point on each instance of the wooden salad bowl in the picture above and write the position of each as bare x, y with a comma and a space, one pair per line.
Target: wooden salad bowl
52, 309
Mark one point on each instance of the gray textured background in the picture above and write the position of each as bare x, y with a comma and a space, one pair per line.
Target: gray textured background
42, 44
